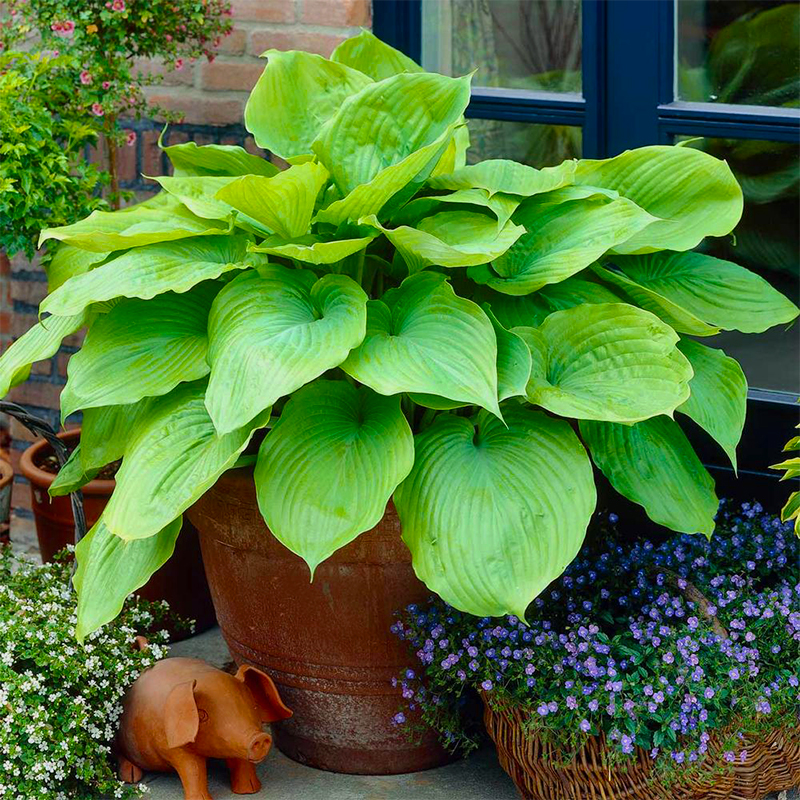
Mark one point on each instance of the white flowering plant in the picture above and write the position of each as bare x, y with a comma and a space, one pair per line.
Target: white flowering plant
60, 701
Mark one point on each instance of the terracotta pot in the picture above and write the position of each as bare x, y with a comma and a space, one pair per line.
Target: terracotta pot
326, 644
181, 581
6, 484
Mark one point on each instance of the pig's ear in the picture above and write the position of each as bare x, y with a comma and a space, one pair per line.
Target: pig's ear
181, 719
269, 701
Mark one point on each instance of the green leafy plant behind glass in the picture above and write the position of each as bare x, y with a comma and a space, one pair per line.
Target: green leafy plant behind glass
464, 340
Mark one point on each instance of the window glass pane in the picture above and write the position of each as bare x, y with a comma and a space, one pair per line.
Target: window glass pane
767, 240
537, 145
514, 44
739, 51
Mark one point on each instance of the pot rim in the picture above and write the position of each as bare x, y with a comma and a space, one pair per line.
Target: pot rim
6, 473
42, 479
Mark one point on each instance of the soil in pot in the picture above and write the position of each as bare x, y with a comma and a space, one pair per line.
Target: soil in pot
326, 644
181, 581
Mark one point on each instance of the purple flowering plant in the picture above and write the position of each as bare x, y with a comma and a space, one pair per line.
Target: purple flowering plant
686, 648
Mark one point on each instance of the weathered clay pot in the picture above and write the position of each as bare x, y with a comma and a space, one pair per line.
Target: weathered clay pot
326, 644
6, 483
181, 581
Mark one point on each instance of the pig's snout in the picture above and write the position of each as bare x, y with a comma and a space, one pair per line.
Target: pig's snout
259, 747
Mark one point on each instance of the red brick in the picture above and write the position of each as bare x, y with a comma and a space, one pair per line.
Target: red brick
126, 162
21, 323
151, 155
233, 44
165, 74
252, 148
44, 395
230, 76
264, 10
19, 431
322, 43
63, 360
42, 367
337, 12
20, 494
31, 292
201, 109
75, 339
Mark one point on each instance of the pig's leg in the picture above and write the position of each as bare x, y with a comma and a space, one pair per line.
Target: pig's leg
128, 771
243, 776
191, 770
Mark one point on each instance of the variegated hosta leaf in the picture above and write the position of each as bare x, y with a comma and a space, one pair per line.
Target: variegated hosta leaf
718, 399
653, 464
163, 218
329, 466
109, 569
72, 476
153, 269
284, 203
609, 361
295, 95
402, 178
36, 344
422, 337
561, 240
510, 177
68, 261
674, 315
189, 160
693, 194
313, 249
172, 457
105, 432
368, 54
450, 239
273, 330
718, 292
161, 342
493, 514
387, 121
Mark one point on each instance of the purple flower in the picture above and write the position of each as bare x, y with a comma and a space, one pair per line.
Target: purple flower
585, 725
487, 686
734, 674
729, 756
627, 744
543, 710
668, 658
708, 693
399, 718
572, 703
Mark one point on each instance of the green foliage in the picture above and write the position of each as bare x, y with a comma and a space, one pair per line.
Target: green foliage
791, 470
44, 178
380, 284
60, 701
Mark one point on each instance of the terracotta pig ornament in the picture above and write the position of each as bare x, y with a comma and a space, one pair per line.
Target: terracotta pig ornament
182, 711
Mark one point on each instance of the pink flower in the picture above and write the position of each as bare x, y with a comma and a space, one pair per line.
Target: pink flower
86, 77
63, 29
106, 84
168, 37
97, 110
179, 64
130, 139
118, 5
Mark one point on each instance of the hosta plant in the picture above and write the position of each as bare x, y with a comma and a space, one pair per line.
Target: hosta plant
462, 339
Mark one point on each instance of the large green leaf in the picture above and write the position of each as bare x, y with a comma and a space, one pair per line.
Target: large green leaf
198, 194
694, 194
162, 219
72, 476
109, 569
561, 240
501, 205
574, 292
272, 331
295, 95
450, 239
189, 160
718, 292
653, 464
313, 249
422, 337
283, 203
513, 360
105, 432
509, 177
718, 402
329, 466
368, 54
68, 261
172, 457
161, 342
36, 344
673, 314
387, 121
405, 176
608, 361
493, 514
514, 311
153, 269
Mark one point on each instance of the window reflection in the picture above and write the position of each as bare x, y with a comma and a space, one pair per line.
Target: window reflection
537, 145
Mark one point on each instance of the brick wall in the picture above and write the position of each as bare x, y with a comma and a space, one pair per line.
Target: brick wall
212, 98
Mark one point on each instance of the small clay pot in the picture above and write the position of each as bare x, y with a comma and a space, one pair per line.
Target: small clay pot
6, 483
181, 581
326, 644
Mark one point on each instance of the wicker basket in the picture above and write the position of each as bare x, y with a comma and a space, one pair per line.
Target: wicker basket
772, 765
